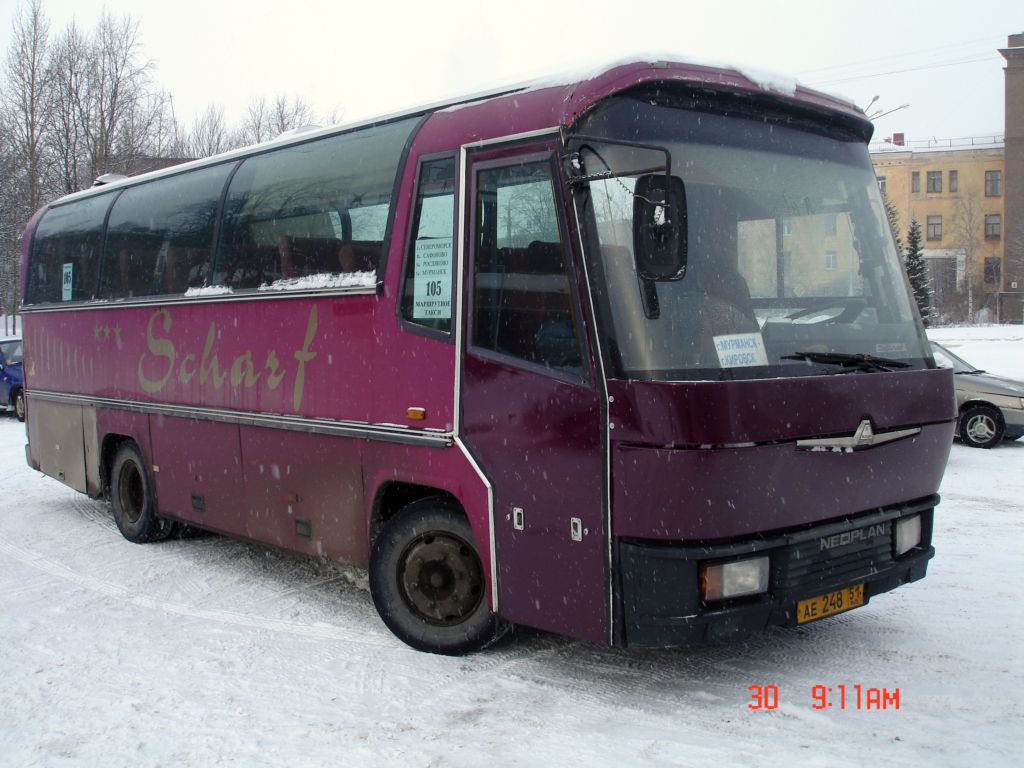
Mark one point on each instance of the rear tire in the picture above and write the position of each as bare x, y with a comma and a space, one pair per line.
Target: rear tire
132, 500
981, 426
19, 404
428, 582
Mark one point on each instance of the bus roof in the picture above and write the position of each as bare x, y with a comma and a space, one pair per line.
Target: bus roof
551, 101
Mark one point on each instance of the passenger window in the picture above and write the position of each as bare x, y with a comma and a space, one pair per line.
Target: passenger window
522, 300
318, 208
64, 255
429, 273
160, 235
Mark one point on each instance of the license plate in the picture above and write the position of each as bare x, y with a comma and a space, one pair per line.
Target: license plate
828, 605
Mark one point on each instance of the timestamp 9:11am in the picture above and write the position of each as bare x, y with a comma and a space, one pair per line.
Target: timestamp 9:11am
841, 696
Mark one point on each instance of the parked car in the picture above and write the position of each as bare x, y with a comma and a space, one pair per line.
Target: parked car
12, 377
991, 407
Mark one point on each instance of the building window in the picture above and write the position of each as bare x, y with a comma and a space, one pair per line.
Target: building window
787, 227
993, 226
915, 181
934, 181
934, 228
830, 260
993, 270
881, 184
831, 227
954, 181
993, 183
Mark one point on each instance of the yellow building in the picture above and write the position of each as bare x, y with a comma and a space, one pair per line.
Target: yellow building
956, 194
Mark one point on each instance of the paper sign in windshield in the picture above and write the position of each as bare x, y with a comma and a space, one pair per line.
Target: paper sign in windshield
740, 350
432, 290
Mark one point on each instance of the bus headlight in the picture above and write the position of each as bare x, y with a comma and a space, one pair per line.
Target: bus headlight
908, 534
721, 581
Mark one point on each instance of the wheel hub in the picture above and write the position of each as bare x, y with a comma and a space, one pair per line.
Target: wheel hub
981, 428
441, 578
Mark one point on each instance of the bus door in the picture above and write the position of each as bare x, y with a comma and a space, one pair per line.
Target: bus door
530, 402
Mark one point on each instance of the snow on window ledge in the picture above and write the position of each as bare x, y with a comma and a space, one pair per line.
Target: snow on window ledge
209, 290
312, 282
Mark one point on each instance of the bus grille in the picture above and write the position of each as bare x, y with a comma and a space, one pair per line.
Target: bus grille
807, 568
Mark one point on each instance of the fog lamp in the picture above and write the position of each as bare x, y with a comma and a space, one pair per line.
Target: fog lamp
908, 534
721, 581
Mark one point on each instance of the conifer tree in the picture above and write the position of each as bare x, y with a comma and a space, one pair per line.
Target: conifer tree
917, 272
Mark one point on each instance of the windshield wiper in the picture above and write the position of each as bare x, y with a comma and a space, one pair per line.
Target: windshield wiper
861, 362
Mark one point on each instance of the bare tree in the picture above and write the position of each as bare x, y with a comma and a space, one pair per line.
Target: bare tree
106, 111
264, 121
23, 117
24, 97
209, 134
967, 235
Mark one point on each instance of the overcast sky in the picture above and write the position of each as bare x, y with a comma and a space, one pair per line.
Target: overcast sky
370, 58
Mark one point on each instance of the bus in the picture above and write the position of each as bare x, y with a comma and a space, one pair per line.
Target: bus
628, 357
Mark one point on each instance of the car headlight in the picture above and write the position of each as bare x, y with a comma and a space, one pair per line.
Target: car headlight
721, 581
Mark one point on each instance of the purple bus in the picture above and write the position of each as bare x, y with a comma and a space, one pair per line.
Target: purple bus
630, 358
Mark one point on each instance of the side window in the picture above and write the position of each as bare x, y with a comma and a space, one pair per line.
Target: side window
65, 251
522, 303
429, 273
319, 208
160, 235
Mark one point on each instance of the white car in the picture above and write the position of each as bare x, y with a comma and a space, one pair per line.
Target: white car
991, 407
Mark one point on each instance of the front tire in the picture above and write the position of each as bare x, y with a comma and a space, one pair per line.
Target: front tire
981, 426
428, 582
132, 500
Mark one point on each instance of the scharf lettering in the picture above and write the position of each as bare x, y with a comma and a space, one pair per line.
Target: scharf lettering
161, 356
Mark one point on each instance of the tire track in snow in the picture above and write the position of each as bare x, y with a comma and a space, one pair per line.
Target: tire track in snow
123, 594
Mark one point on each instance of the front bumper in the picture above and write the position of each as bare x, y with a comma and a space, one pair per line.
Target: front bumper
660, 581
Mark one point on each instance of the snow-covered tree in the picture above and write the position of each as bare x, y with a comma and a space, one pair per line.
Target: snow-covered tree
917, 271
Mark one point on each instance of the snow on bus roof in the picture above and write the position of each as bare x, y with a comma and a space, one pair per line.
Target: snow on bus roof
763, 79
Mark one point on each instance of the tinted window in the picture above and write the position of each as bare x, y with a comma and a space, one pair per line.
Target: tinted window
160, 235
522, 300
316, 208
65, 251
427, 297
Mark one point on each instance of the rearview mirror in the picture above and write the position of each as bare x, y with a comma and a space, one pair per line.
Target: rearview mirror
659, 227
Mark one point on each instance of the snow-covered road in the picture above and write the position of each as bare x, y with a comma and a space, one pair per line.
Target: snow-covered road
210, 651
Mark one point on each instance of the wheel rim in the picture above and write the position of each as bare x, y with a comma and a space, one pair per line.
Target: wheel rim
441, 578
981, 428
19, 406
130, 492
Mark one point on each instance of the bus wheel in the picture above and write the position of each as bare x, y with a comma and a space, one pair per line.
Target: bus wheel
981, 427
428, 582
19, 404
131, 496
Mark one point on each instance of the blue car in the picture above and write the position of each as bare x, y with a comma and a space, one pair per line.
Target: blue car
12, 376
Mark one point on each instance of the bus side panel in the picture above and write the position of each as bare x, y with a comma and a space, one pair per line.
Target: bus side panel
446, 469
304, 492
55, 436
197, 470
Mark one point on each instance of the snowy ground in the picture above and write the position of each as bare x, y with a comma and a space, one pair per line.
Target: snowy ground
210, 651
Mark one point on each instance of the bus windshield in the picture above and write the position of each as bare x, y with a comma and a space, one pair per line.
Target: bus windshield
790, 265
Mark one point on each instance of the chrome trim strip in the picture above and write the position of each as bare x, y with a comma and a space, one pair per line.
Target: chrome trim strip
602, 383
865, 437
482, 143
392, 433
162, 301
